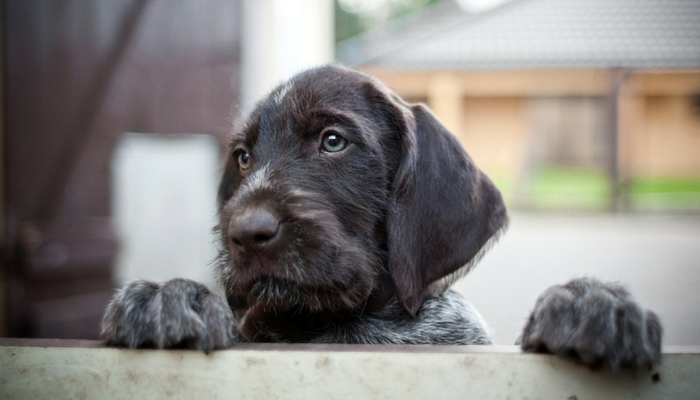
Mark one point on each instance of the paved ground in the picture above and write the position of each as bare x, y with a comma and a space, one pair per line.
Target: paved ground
658, 257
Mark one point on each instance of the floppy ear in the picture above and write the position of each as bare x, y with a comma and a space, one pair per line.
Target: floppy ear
444, 212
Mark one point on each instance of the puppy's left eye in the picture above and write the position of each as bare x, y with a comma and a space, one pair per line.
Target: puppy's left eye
243, 160
332, 142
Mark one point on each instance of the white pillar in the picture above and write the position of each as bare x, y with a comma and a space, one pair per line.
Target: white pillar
280, 38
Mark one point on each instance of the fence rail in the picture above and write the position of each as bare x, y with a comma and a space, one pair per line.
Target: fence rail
65, 369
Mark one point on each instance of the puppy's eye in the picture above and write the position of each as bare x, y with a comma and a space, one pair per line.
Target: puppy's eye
332, 142
243, 160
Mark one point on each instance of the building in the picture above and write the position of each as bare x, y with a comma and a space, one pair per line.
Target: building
610, 86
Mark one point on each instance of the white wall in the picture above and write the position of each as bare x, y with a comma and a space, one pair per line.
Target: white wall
656, 256
164, 206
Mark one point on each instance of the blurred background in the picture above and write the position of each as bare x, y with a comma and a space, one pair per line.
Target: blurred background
586, 114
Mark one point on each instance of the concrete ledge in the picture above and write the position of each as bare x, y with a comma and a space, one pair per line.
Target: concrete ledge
59, 369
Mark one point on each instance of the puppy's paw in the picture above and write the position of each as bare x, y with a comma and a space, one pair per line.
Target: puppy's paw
177, 314
601, 325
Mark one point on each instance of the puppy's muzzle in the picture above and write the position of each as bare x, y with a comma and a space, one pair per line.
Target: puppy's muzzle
254, 228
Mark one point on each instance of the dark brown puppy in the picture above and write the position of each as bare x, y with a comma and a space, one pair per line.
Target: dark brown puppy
345, 213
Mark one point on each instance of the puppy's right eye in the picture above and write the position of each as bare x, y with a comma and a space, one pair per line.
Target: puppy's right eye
243, 160
332, 142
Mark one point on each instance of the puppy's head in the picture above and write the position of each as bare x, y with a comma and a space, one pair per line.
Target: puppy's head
334, 182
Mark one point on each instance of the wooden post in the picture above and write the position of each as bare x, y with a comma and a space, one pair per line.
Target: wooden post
617, 79
633, 139
445, 99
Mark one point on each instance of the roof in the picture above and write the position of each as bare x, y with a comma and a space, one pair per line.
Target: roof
524, 34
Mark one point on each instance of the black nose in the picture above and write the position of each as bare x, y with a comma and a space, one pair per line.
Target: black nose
253, 228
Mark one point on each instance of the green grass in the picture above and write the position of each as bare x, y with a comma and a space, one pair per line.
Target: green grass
505, 184
569, 188
585, 189
665, 185
665, 194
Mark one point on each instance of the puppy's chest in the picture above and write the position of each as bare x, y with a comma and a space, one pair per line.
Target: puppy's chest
261, 324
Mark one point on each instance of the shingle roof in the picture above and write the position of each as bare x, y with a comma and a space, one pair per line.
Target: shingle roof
537, 34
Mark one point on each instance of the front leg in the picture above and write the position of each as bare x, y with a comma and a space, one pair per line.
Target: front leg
601, 325
177, 314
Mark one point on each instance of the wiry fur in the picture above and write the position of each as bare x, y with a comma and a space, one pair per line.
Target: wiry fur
178, 313
360, 245
598, 324
442, 319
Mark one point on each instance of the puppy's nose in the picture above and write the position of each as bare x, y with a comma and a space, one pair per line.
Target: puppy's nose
253, 228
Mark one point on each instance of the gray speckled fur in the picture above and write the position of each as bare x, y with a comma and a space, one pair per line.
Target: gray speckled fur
184, 313
178, 313
443, 319
598, 324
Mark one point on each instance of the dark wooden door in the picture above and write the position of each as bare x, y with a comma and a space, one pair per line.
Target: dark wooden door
78, 74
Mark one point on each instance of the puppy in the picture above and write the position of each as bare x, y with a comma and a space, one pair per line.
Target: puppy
345, 215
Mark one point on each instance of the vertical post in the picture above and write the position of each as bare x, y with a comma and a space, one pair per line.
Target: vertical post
3, 263
270, 50
617, 79
445, 100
